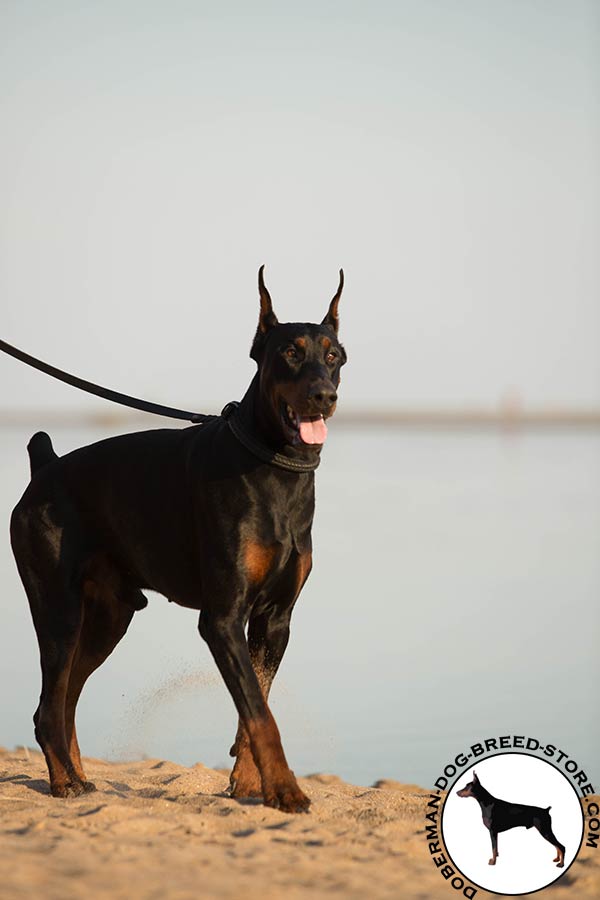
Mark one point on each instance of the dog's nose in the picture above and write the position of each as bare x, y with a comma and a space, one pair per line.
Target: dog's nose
322, 396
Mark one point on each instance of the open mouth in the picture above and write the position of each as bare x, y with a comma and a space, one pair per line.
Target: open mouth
303, 429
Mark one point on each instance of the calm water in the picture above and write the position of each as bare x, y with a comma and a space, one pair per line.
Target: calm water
454, 596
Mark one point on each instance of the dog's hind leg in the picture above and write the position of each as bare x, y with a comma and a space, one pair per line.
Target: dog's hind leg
544, 826
46, 558
108, 608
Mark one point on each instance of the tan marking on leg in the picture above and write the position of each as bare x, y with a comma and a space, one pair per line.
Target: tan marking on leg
279, 786
245, 780
51, 735
75, 754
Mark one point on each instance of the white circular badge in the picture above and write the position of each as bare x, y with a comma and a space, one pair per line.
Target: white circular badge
512, 823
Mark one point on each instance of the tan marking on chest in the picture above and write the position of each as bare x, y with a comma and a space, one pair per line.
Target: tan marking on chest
258, 560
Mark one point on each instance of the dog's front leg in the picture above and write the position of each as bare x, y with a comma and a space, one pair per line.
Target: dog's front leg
226, 640
494, 837
268, 635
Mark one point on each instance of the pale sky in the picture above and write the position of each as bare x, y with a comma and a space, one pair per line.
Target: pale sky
153, 155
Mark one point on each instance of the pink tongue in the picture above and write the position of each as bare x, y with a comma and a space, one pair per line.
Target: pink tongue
313, 432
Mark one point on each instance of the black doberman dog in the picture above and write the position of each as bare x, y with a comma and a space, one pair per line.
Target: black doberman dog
216, 517
500, 815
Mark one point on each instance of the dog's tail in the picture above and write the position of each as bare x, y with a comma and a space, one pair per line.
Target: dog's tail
41, 451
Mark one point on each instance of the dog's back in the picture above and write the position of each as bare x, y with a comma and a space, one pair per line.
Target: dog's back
505, 815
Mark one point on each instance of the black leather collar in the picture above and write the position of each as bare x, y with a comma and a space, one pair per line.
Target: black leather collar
260, 450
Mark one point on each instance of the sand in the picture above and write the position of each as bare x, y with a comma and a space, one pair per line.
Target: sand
154, 829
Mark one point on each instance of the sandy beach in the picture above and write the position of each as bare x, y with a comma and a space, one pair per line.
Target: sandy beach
154, 829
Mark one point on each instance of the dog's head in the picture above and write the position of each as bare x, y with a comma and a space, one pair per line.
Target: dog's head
470, 788
299, 370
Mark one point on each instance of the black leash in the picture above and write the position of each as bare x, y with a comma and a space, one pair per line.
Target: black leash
114, 396
260, 450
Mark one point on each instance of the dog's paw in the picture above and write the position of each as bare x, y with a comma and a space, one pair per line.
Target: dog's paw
492, 862
287, 797
89, 787
68, 789
240, 791
245, 780
245, 785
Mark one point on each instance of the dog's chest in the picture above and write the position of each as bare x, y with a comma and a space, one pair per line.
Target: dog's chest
274, 541
486, 815
285, 520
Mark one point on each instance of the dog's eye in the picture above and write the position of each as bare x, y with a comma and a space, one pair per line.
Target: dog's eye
291, 353
331, 357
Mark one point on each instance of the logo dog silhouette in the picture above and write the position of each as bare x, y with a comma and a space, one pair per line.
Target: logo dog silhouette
500, 815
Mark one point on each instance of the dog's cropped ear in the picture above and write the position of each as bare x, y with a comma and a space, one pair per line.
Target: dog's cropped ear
332, 320
475, 778
266, 320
